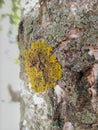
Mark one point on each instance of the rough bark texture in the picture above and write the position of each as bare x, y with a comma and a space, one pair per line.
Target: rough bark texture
71, 27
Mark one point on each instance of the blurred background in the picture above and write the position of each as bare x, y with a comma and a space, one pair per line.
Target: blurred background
9, 64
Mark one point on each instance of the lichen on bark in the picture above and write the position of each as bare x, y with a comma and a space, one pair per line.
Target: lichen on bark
42, 67
71, 27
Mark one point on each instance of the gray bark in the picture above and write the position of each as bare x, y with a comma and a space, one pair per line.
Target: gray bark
71, 27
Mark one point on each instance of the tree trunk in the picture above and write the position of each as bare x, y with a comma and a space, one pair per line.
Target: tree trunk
71, 28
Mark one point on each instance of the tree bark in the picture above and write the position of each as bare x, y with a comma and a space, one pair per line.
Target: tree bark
71, 27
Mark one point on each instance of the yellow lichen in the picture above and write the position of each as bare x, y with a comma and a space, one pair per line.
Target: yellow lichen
42, 67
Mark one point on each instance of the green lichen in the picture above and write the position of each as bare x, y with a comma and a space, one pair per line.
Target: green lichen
41, 66
87, 117
73, 98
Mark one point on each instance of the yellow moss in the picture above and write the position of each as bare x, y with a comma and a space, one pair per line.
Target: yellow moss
42, 67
